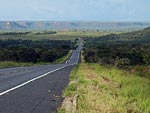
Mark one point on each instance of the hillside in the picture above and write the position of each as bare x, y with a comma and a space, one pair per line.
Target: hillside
139, 36
103, 89
122, 50
64, 25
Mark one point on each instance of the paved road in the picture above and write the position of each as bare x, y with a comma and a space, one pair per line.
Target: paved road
35, 89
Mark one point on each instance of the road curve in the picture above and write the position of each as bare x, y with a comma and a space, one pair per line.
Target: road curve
35, 89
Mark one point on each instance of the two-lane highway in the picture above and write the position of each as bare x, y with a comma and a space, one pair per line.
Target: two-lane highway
35, 89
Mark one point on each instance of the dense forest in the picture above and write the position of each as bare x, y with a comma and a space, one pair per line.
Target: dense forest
121, 50
34, 51
15, 33
28, 32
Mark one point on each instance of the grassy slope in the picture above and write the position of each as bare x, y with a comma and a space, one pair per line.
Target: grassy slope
109, 90
141, 70
7, 64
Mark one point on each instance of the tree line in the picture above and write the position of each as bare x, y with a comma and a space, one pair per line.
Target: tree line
33, 51
118, 54
120, 50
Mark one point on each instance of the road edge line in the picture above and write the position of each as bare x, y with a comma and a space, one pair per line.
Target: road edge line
36, 78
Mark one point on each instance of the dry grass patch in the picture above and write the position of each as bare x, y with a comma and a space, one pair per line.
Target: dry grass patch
109, 90
104, 89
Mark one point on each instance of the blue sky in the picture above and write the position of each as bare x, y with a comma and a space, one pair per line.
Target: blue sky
75, 10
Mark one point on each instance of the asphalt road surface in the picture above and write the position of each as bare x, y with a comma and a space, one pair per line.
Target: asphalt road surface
35, 89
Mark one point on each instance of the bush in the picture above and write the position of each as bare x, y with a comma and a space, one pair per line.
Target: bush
33, 51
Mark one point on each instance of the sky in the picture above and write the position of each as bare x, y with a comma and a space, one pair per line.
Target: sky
75, 10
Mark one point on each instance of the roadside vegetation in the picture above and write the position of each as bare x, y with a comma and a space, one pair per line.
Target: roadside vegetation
114, 76
27, 52
8, 64
125, 51
63, 59
105, 89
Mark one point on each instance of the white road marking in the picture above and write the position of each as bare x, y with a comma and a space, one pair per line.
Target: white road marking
16, 87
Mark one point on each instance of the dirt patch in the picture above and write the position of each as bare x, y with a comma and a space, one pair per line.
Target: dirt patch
132, 70
106, 79
91, 68
91, 76
70, 104
111, 83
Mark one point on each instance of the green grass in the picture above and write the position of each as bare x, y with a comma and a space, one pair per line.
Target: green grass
61, 111
62, 59
60, 35
103, 89
72, 87
7, 64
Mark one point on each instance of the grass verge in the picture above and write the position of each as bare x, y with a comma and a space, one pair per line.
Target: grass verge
70, 94
71, 90
104, 89
63, 59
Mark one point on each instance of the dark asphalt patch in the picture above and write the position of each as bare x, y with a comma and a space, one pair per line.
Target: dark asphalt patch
40, 96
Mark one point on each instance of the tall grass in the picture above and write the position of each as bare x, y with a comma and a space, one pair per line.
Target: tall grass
103, 89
